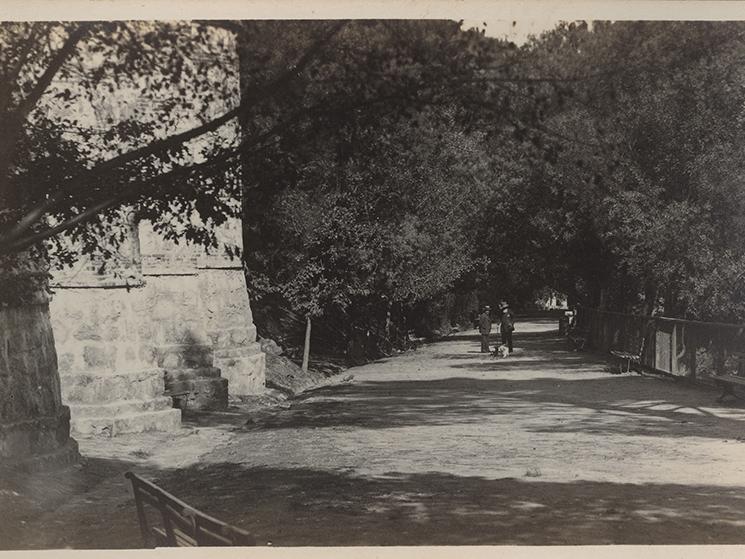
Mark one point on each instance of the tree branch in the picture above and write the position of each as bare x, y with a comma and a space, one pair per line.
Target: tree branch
86, 214
9, 80
171, 177
137, 188
159, 146
59, 58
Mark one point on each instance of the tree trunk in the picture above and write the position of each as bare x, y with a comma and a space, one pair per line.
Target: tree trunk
34, 424
306, 348
388, 323
650, 299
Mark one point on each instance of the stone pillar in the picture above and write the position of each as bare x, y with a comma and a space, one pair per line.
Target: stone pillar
34, 425
228, 318
109, 369
181, 345
204, 311
160, 323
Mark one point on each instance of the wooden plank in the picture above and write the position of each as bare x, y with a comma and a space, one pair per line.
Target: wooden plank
207, 537
662, 355
147, 497
160, 536
180, 518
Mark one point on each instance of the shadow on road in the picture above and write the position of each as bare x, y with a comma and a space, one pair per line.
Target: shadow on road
85, 506
304, 507
562, 391
310, 507
547, 388
557, 405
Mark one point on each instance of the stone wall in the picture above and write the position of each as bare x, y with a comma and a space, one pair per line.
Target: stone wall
209, 311
178, 327
34, 424
232, 334
108, 362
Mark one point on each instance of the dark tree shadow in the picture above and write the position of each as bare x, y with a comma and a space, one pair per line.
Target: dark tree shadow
310, 508
668, 411
306, 507
545, 375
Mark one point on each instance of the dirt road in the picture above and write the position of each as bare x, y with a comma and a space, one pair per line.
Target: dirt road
441, 446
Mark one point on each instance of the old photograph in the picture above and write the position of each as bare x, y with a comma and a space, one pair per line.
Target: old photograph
371, 281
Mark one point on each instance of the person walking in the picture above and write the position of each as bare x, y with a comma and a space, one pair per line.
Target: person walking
485, 328
506, 324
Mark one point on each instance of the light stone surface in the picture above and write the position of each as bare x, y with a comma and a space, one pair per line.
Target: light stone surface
123, 347
229, 325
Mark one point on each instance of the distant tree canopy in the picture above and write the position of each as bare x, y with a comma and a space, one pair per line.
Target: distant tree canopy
375, 202
640, 201
371, 197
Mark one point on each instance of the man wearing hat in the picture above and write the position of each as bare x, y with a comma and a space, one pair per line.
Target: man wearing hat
484, 329
507, 324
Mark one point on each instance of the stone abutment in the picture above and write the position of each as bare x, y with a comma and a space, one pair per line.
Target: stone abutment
168, 324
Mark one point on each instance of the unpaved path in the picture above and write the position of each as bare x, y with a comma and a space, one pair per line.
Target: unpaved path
447, 446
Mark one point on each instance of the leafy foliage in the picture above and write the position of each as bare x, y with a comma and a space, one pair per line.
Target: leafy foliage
97, 115
640, 185
384, 162
370, 198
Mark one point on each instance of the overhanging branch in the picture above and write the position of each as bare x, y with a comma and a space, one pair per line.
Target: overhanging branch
159, 146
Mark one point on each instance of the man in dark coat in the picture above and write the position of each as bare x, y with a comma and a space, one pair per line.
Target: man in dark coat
484, 329
506, 324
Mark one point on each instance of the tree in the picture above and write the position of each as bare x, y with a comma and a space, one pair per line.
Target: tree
368, 204
174, 153
391, 226
639, 177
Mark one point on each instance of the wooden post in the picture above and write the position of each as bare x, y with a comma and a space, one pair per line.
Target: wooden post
388, 323
306, 349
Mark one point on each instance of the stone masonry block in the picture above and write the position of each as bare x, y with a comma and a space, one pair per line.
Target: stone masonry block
113, 425
246, 374
99, 356
184, 356
96, 389
88, 331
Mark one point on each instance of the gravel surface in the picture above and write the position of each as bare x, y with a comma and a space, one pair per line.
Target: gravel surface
442, 445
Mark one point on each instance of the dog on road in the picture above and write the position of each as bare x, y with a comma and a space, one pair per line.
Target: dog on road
501, 351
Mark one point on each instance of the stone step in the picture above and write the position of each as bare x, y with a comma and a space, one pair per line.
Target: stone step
122, 407
110, 426
200, 393
99, 389
246, 374
202, 384
175, 375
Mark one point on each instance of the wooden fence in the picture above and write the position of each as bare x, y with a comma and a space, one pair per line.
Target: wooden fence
678, 347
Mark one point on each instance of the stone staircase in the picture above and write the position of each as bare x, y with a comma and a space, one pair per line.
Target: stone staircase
191, 377
116, 404
200, 388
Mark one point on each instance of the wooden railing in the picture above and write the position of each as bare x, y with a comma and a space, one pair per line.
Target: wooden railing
678, 347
